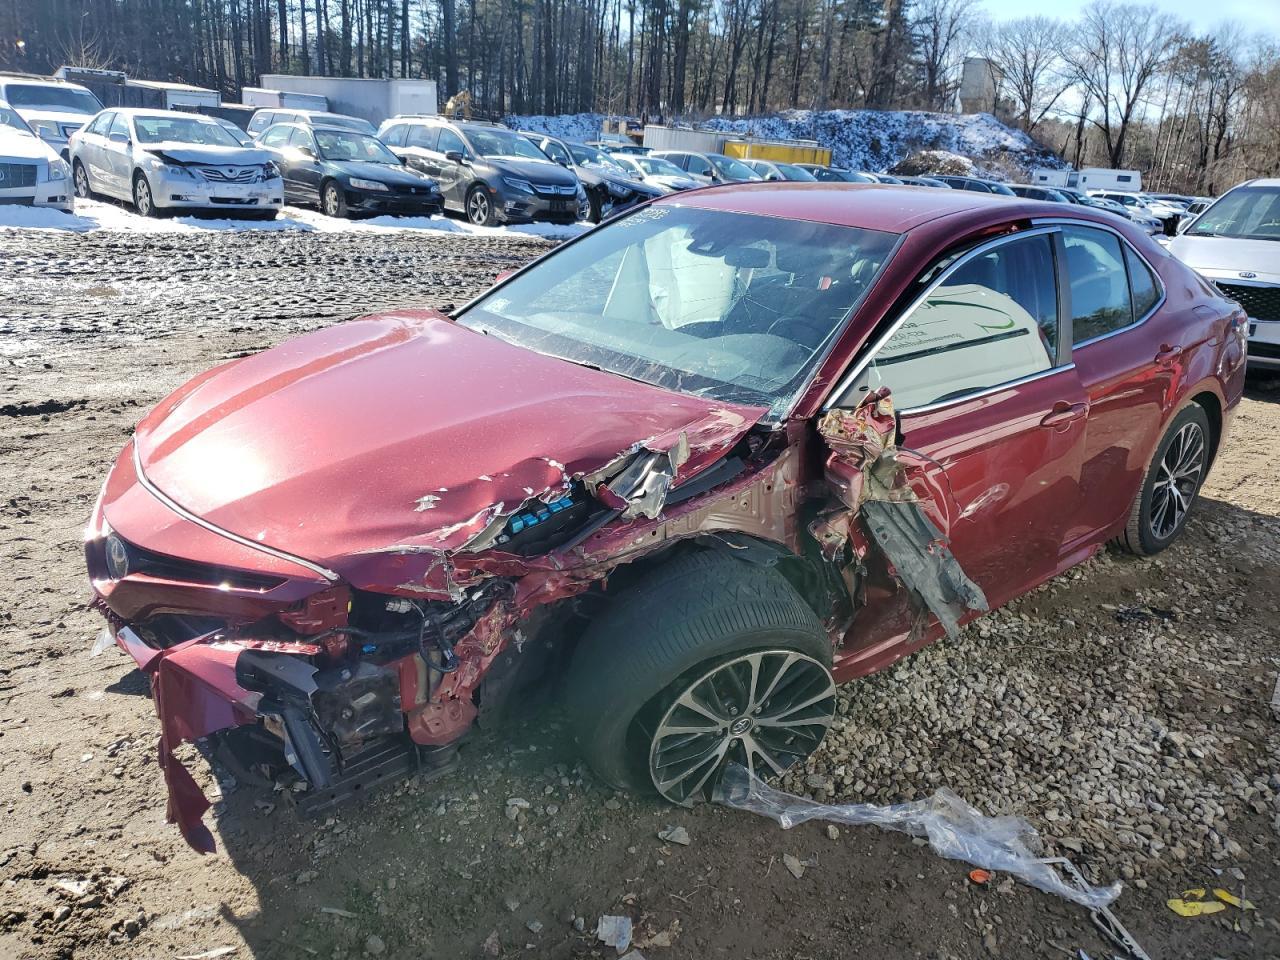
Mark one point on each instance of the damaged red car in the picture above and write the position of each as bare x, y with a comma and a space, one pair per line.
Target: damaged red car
692, 469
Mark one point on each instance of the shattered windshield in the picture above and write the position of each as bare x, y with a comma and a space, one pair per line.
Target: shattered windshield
732, 306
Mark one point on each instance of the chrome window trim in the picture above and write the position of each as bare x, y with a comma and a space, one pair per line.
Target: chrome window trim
987, 391
850, 378
1160, 300
186, 514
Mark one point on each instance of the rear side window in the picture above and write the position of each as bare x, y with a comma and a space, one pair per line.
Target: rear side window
259, 121
698, 165
277, 136
993, 320
1142, 284
1099, 283
100, 124
422, 137
394, 137
300, 138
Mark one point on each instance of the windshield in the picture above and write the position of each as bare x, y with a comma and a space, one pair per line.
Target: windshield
51, 97
10, 118
591, 157
349, 145
502, 143
792, 172
733, 169
1248, 213
347, 123
164, 129
731, 306
657, 166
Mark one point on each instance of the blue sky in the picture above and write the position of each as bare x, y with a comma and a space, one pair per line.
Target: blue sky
1260, 16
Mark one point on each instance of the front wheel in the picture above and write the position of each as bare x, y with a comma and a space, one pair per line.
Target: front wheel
1171, 483
480, 208
143, 201
333, 201
80, 177
709, 660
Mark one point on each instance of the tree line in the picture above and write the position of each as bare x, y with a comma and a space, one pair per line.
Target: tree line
1122, 85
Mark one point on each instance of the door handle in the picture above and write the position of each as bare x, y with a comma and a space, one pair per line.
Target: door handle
1064, 413
1168, 354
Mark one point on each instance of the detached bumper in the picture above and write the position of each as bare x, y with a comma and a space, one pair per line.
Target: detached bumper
395, 204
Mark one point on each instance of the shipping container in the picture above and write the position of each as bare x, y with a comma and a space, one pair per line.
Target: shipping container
782, 151
284, 99
373, 100
675, 138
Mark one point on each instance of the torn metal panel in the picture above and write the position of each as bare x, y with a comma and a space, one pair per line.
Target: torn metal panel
923, 561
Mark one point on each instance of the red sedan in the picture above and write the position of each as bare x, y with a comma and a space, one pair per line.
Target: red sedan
700, 464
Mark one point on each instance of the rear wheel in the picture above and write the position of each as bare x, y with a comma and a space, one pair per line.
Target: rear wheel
708, 660
1171, 483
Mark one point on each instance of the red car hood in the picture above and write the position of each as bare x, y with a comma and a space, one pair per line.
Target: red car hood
403, 430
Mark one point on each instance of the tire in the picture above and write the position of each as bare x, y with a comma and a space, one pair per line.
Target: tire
143, 200
479, 208
1162, 506
80, 178
702, 615
597, 207
333, 201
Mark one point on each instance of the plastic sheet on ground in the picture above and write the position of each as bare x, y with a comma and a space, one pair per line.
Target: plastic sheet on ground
954, 830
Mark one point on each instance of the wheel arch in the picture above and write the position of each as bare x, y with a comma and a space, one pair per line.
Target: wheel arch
1211, 403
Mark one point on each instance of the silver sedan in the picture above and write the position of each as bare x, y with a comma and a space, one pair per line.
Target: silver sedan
163, 160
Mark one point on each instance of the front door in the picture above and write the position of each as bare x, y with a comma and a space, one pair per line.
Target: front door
992, 420
453, 177
304, 161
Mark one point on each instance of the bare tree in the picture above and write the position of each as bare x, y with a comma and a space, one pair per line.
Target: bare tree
938, 27
1028, 54
1118, 52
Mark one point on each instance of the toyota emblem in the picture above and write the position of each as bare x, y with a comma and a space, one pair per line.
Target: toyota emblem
1, 176
1247, 275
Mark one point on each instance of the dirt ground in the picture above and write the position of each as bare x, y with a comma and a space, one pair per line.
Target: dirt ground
94, 329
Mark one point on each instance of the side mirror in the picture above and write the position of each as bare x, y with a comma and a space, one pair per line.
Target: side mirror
307, 152
455, 156
119, 138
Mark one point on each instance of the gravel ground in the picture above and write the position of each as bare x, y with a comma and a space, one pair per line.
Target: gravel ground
1122, 708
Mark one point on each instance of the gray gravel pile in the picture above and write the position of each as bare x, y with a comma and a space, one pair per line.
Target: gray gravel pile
1132, 733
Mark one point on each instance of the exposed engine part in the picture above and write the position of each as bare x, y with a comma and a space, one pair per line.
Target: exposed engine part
357, 703
286, 683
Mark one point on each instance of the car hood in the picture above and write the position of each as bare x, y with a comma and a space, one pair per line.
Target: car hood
405, 432
212, 155
32, 114
671, 181
18, 145
382, 172
1226, 258
535, 171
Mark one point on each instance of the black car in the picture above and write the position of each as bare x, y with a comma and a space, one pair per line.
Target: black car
975, 184
346, 172
835, 174
610, 187
1032, 192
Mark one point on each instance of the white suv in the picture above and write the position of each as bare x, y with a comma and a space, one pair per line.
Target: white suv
1235, 244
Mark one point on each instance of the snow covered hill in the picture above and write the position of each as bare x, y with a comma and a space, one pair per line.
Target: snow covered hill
861, 139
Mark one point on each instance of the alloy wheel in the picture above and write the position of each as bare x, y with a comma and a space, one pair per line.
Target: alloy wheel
82, 182
478, 208
1177, 479
142, 197
331, 201
765, 710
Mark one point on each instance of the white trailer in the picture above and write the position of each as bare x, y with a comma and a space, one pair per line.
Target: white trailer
1090, 178
374, 100
283, 99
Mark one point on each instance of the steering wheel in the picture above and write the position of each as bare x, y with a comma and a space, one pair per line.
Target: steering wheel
795, 323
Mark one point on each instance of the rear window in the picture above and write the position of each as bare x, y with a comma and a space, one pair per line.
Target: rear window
54, 96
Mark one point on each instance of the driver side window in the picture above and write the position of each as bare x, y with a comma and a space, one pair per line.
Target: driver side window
450, 142
699, 166
993, 319
118, 125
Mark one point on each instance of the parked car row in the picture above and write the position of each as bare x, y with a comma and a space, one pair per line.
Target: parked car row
31, 171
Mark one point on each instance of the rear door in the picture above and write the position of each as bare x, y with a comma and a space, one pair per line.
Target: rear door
276, 139
1129, 355
993, 411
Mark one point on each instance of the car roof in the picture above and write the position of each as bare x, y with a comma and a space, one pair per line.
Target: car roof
10, 79
872, 206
